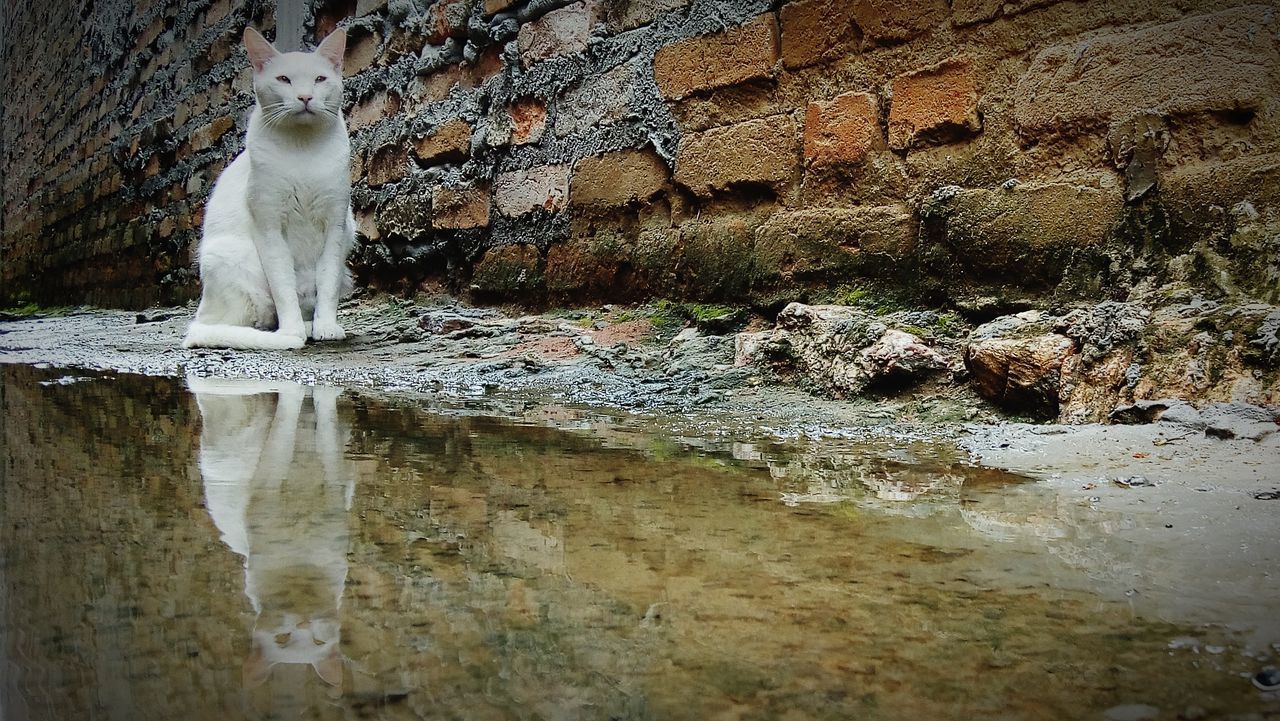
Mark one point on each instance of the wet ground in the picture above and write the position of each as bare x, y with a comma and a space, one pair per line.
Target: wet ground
215, 541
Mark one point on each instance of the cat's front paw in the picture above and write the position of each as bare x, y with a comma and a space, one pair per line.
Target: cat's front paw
327, 330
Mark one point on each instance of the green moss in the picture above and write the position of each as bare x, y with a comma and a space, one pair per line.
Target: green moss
868, 297
33, 310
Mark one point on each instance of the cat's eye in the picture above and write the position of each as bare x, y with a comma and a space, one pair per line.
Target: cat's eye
283, 78
321, 78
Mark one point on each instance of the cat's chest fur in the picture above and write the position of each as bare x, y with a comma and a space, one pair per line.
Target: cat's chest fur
302, 186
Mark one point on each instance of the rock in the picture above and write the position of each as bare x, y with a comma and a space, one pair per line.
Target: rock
1100, 328
1131, 712
846, 351
1165, 411
1133, 482
747, 347
1016, 364
150, 316
1240, 420
899, 355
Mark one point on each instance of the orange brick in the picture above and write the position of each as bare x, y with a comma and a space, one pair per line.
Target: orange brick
933, 104
450, 142
841, 130
459, 208
617, 179
528, 120
814, 30
747, 52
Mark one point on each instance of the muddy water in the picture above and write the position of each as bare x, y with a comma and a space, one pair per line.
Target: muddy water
221, 550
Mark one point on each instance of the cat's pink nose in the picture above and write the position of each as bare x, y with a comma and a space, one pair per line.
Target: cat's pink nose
305, 99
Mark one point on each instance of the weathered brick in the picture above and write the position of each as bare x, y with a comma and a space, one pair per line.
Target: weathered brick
934, 104
362, 51
623, 15
209, 133
377, 106
1219, 61
969, 12
757, 152
460, 208
841, 130
832, 244
816, 30
387, 164
493, 7
1023, 235
437, 86
617, 179
447, 19
545, 187
451, 142
600, 100
560, 32
366, 225
357, 166
898, 20
528, 120
747, 52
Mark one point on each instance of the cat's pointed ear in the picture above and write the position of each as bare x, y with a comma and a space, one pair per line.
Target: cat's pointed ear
260, 51
334, 48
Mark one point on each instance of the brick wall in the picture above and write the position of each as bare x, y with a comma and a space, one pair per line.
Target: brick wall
747, 150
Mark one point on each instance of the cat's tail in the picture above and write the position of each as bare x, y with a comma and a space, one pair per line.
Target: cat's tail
206, 335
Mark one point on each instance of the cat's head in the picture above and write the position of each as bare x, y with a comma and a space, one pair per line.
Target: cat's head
287, 638
297, 88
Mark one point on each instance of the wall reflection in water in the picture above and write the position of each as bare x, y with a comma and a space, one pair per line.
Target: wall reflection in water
270, 551
279, 490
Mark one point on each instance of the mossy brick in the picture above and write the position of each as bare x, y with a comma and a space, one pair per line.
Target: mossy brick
833, 245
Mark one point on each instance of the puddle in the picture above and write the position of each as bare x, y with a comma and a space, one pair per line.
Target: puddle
266, 550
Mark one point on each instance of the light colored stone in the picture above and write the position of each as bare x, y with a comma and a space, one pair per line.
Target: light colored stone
564, 31
599, 101
1218, 61
848, 351
545, 187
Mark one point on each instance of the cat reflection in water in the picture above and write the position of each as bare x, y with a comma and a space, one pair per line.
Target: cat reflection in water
279, 490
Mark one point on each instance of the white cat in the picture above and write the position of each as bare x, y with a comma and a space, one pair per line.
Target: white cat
278, 224
279, 490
